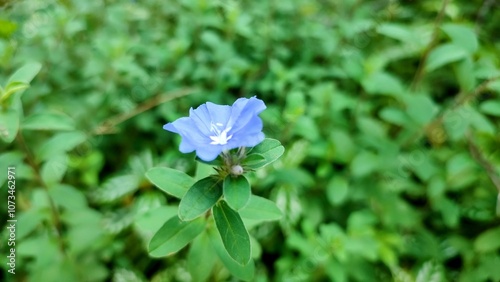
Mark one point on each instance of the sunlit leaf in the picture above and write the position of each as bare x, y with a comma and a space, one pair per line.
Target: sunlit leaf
48, 121
236, 191
444, 54
337, 190
243, 272
26, 73
116, 188
174, 235
200, 198
60, 143
9, 125
462, 36
261, 209
233, 232
171, 181
488, 241
200, 258
270, 149
491, 108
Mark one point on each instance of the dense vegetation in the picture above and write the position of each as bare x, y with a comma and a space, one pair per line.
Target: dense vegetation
389, 112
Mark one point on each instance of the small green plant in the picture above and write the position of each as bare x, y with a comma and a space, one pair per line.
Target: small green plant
231, 140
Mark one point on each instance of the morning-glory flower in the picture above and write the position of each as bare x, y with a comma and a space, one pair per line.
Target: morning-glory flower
212, 129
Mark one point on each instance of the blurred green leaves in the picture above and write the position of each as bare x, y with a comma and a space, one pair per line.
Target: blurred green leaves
378, 181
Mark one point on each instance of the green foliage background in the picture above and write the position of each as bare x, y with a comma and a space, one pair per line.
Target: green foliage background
389, 112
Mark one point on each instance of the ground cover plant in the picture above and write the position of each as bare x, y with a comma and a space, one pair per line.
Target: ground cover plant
385, 113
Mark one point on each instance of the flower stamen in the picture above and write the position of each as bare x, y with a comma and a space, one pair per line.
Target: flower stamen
220, 137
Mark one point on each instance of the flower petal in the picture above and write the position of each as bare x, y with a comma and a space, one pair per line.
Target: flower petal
219, 114
187, 129
186, 146
208, 152
243, 110
170, 127
250, 140
253, 125
201, 118
212, 128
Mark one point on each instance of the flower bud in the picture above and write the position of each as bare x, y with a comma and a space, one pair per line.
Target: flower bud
236, 170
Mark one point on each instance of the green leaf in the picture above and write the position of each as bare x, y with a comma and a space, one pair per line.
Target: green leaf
364, 163
270, 149
116, 188
7, 28
48, 121
243, 272
53, 169
430, 272
262, 209
463, 72
491, 108
12, 88
307, 128
498, 205
396, 31
170, 181
450, 211
444, 54
152, 220
420, 108
337, 190
233, 232
253, 159
383, 83
462, 36
26, 73
394, 115
60, 143
174, 235
148, 200
68, 197
488, 241
200, 259
203, 170
200, 198
236, 191
28, 221
9, 125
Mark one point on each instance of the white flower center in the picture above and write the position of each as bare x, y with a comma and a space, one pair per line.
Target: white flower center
220, 137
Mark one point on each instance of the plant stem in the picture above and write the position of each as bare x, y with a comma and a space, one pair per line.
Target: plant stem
483, 162
435, 34
54, 212
460, 100
109, 126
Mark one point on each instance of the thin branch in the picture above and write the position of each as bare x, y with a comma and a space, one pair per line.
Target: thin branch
485, 8
467, 97
54, 212
460, 100
483, 162
109, 126
435, 34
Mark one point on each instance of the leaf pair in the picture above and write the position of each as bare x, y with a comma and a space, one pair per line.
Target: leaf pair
263, 154
229, 199
206, 194
11, 109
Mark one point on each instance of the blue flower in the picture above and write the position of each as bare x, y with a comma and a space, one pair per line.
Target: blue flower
211, 129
